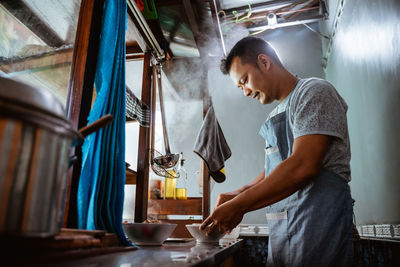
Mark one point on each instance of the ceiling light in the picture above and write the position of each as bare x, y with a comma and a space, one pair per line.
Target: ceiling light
271, 18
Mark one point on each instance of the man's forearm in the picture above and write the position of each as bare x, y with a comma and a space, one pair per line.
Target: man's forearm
289, 176
258, 179
286, 179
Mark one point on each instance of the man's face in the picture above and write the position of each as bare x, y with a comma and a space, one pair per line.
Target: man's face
251, 80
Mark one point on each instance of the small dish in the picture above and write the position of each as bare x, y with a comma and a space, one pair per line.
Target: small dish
200, 235
148, 234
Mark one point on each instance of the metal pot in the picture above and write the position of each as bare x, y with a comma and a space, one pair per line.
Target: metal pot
35, 140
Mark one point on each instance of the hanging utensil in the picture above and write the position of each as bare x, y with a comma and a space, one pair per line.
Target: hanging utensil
96, 125
86, 130
168, 160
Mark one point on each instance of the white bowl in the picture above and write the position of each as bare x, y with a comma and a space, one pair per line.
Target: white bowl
200, 235
148, 234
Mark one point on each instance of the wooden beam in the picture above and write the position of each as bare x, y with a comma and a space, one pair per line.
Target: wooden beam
130, 176
134, 52
142, 180
27, 17
54, 59
133, 49
190, 206
206, 189
80, 90
133, 57
38, 62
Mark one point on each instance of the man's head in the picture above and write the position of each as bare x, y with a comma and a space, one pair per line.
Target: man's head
254, 66
248, 49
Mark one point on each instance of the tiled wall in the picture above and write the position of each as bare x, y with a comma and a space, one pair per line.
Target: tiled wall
374, 252
368, 252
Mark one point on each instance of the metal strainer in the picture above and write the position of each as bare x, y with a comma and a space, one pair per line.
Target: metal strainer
168, 160
160, 169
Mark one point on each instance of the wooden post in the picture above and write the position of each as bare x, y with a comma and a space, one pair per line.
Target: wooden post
203, 167
80, 90
206, 189
142, 180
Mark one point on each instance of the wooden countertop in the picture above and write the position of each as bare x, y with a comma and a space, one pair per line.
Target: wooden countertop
171, 253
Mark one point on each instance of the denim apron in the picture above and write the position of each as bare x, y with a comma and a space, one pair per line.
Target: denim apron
313, 226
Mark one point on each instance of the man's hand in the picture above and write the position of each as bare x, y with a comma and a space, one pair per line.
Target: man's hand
224, 218
289, 176
224, 197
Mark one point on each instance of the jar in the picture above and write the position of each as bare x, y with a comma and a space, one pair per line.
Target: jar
170, 184
181, 181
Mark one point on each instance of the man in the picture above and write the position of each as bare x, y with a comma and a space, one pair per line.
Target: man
305, 181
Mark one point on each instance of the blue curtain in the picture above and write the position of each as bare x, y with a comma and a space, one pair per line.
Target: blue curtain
102, 181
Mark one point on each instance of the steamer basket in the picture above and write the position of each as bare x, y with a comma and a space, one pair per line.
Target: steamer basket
35, 140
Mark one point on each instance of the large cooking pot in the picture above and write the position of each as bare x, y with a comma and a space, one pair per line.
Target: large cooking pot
35, 140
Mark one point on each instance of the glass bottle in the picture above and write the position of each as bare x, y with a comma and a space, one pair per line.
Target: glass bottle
181, 181
170, 184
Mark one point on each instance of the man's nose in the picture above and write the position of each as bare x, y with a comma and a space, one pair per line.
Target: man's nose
246, 91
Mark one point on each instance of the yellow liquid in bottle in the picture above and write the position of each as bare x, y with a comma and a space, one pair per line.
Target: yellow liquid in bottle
181, 193
170, 185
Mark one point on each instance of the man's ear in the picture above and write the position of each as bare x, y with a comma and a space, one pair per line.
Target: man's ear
264, 61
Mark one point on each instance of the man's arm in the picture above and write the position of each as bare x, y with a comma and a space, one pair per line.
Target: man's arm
288, 177
222, 198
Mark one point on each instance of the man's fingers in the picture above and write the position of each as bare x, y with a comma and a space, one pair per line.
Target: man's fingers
211, 228
206, 222
219, 202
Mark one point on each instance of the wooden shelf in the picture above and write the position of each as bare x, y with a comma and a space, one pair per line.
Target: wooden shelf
190, 206
130, 176
51, 251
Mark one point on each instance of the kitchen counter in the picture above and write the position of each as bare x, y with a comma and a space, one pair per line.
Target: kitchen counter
186, 253
170, 254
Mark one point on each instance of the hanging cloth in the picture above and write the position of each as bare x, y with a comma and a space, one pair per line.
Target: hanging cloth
212, 147
136, 109
102, 181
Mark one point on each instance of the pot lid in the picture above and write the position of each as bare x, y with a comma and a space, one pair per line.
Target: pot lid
21, 93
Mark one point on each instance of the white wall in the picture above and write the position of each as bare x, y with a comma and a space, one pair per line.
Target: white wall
364, 66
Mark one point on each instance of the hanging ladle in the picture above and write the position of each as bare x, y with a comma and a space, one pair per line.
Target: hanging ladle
168, 160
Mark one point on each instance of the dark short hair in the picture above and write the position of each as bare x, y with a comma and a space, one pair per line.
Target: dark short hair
248, 50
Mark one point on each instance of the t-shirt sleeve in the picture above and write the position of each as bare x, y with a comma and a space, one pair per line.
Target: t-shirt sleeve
317, 108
